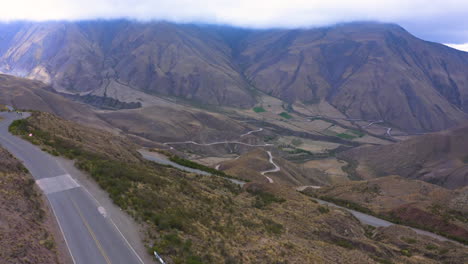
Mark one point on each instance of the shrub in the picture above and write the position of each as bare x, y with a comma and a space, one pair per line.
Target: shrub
406, 252
272, 227
343, 243
263, 199
323, 209
431, 247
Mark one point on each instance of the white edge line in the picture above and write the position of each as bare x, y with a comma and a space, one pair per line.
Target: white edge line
61, 230
98, 204
60, 226
112, 222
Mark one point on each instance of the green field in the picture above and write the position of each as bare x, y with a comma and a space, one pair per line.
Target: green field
345, 136
285, 115
259, 109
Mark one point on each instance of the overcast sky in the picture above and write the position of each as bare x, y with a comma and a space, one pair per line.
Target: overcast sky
444, 21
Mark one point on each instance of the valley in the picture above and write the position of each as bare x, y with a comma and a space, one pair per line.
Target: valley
338, 144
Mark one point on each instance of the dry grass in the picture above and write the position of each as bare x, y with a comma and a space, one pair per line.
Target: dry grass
26, 234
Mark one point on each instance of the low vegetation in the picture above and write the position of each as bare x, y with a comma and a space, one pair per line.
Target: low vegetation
285, 115
198, 166
263, 199
25, 230
259, 109
192, 218
391, 217
345, 136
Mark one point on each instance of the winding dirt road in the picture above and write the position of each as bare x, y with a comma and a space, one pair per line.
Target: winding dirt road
275, 169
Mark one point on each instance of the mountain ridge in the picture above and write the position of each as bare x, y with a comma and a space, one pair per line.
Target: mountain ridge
366, 70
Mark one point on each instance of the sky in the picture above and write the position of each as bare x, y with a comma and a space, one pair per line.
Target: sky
444, 21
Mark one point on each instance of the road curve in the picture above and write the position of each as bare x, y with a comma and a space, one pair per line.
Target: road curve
216, 143
377, 222
275, 169
151, 157
252, 131
89, 232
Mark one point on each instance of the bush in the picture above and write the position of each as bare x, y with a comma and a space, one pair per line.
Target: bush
406, 252
431, 247
343, 243
272, 227
348, 204
198, 166
263, 199
194, 260
323, 209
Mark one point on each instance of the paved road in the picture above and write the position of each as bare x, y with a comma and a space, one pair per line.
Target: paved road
91, 236
150, 156
217, 143
377, 222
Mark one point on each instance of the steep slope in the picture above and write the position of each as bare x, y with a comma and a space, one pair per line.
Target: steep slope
28, 231
410, 202
370, 71
439, 158
366, 70
161, 58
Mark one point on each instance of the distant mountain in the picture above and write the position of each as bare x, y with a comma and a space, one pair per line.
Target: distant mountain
439, 158
366, 70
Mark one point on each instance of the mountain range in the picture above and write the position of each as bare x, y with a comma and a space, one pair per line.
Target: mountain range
369, 71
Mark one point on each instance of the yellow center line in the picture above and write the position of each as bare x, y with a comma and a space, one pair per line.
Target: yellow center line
92, 233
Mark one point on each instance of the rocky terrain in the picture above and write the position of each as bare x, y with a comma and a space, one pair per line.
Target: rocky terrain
28, 231
369, 71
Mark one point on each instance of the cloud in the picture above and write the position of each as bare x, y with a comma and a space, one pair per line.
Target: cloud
463, 47
420, 16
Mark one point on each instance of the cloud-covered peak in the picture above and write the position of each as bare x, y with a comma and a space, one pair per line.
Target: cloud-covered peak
438, 20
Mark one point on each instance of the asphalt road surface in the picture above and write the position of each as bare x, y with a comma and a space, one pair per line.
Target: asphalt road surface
377, 222
91, 236
154, 158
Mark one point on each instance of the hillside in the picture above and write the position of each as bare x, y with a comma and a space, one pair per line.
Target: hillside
439, 158
203, 219
409, 202
28, 231
250, 165
22, 93
368, 71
